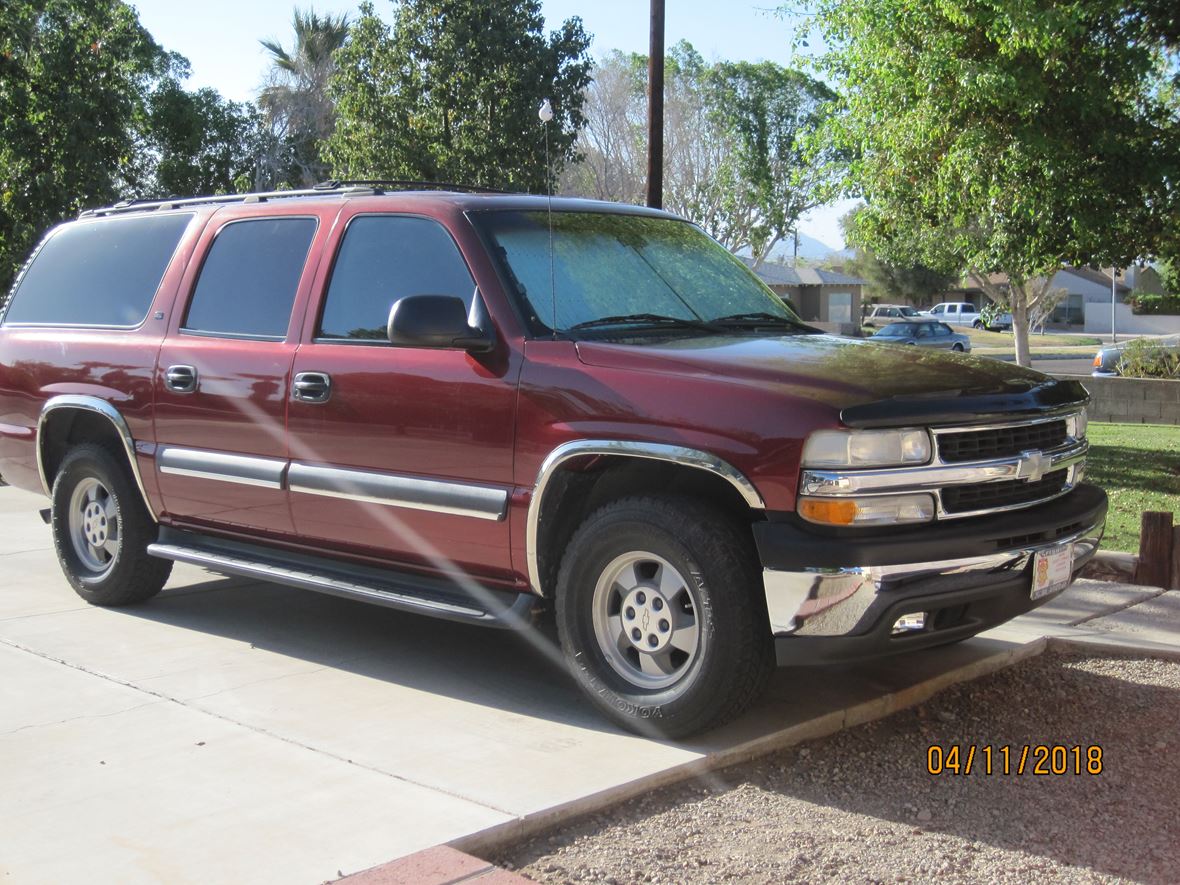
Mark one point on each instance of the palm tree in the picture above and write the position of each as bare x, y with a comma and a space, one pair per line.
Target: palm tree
295, 102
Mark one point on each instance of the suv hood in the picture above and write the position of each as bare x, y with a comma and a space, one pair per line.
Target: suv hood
870, 384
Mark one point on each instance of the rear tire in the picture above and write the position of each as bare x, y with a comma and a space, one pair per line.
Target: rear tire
658, 617
101, 530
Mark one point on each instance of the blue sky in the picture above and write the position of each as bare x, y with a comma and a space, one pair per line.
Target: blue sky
220, 39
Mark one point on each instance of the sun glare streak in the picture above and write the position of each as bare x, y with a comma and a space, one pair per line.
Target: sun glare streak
385, 517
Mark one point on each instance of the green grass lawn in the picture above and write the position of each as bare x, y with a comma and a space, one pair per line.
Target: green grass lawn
1139, 466
983, 338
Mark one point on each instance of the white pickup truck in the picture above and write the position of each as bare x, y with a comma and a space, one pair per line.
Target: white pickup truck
959, 313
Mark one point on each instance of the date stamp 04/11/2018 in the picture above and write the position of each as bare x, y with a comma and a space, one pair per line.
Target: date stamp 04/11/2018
1019, 759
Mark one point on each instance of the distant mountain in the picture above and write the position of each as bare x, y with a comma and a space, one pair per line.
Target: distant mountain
810, 249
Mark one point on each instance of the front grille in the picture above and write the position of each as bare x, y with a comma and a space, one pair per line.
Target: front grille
994, 495
1000, 442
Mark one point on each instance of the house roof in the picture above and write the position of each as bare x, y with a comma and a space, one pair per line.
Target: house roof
774, 274
1084, 273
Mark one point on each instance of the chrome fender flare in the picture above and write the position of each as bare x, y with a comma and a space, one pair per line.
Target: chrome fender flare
681, 455
100, 407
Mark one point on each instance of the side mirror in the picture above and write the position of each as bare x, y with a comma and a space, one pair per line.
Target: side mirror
435, 321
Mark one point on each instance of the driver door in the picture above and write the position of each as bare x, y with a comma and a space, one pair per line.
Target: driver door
399, 453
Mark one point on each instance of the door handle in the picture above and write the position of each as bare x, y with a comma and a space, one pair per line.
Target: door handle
312, 387
181, 379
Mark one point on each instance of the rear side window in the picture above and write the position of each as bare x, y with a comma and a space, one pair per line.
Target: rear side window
98, 273
384, 258
249, 279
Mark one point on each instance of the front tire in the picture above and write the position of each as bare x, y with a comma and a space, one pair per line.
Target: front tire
957, 348
657, 616
101, 530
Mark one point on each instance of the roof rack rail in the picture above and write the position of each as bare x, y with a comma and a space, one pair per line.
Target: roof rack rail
324, 188
409, 184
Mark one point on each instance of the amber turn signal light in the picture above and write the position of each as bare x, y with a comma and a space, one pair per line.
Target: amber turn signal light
828, 512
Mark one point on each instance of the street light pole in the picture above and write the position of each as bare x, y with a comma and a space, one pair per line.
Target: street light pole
655, 108
1113, 289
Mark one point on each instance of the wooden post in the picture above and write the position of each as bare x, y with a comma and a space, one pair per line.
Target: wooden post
1155, 550
1174, 584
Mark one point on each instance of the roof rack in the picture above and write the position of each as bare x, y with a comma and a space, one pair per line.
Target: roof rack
324, 188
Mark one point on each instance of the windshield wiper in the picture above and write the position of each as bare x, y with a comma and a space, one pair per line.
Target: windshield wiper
643, 319
759, 318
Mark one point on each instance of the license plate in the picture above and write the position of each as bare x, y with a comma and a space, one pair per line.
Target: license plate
1051, 570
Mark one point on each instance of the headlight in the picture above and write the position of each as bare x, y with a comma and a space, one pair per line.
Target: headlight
1077, 423
866, 448
875, 510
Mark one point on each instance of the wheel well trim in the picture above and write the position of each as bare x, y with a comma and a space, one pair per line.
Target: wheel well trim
97, 406
685, 457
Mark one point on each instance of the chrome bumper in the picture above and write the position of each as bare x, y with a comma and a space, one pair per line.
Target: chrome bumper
843, 602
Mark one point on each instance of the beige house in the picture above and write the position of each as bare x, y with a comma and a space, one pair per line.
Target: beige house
822, 297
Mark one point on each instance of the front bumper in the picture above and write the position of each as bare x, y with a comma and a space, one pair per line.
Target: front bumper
837, 597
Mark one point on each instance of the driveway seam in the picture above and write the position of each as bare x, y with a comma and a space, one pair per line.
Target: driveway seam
1116, 610
260, 731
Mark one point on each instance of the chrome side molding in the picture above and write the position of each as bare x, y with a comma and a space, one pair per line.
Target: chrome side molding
685, 457
100, 407
436, 496
222, 467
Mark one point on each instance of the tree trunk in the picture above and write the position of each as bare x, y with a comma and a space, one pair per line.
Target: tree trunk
1019, 304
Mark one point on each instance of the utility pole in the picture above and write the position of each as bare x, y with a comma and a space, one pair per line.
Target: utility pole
1113, 291
655, 108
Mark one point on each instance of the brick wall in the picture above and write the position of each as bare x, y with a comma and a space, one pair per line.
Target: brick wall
1132, 400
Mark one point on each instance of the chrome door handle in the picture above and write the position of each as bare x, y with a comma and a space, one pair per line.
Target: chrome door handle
312, 387
181, 379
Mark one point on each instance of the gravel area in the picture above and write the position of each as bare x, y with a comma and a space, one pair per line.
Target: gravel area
861, 806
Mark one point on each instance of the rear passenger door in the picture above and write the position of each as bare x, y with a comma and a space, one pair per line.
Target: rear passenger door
400, 453
223, 373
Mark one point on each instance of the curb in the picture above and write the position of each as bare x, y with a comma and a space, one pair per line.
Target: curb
495, 837
439, 865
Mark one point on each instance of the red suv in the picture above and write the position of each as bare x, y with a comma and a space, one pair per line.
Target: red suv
466, 405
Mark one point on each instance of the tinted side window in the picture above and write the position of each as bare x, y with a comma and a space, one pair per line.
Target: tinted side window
98, 273
248, 282
384, 258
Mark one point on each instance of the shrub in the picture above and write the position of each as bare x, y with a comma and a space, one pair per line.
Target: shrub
1168, 305
1146, 359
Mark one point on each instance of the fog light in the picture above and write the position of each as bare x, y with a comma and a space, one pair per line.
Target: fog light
914, 623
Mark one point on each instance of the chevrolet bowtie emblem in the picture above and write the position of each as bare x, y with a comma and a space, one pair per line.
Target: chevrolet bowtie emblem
1031, 466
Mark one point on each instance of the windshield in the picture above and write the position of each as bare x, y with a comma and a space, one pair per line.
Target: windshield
908, 312
896, 330
612, 272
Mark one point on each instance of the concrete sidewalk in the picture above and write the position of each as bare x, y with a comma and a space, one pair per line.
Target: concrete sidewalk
231, 731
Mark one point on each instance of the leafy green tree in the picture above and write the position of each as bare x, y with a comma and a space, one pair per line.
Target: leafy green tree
295, 102
905, 283
195, 143
450, 92
73, 74
736, 143
1004, 136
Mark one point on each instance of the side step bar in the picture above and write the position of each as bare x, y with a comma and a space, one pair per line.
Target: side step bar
407, 592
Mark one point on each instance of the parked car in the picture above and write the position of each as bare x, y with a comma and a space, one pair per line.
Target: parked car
479, 407
958, 313
879, 314
1106, 360
923, 334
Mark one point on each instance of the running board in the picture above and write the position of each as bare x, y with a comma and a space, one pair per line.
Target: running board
406, 592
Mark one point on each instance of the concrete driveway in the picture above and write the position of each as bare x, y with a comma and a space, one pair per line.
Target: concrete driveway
230, 731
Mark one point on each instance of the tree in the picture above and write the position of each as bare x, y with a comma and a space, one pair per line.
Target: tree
72, 79
1004, 136
295, 102
191, 142
736, 151
450, 92
906, 283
